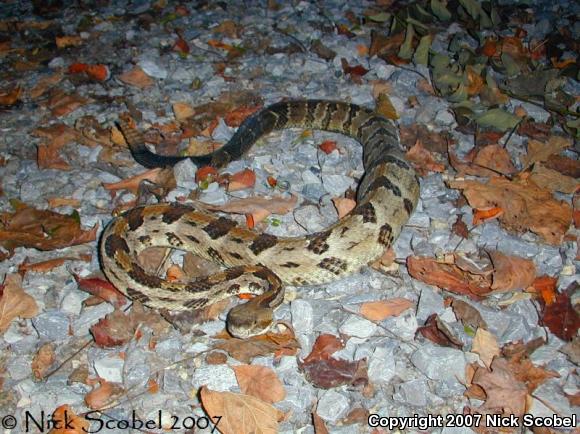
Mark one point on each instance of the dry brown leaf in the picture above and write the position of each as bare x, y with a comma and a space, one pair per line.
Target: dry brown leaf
511, 272
42, 360
485, 344
41, 229
496, 158
50, 264
156, 176
319, 425
103, 395
275, 205
182, 111
14, 302
137, 77
437, 331
539, 151
242, 180
385, 107
65, 421
61, 104
245, 350
552, 180
343, 205
564, 165
44, 84
505, 394
379, 310
468, 315
55, 202
423, 159
11, 97
447, 276
525, 206
240, 413
261, 382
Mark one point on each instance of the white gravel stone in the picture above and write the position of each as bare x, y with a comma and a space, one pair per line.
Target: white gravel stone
215, 377
184, 173
109, 367
439, 363
302, 319
153, 68
358, 327
382, 365
332, 405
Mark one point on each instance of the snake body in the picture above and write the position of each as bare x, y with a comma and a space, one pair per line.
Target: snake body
387, 195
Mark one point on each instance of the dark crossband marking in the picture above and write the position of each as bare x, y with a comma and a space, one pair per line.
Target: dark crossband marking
134, 218
290, 264
192, 238
385, 235
173, 239
137, 296
145, 239
334, 265
196, 303
317, 243
263, 242
408, 206
219, 227
115, 243
367, 211
235, 255
384, 182
140, 276
215, 255
174, 213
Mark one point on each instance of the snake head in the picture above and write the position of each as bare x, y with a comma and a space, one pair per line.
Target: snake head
248, 319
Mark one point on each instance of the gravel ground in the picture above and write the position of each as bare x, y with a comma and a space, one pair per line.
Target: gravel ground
163, 59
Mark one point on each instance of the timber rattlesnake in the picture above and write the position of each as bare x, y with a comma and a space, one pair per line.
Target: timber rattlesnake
387, 196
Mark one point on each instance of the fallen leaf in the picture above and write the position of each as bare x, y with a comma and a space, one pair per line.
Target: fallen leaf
437, 332
423, 160
182, 111
553, 180
245, 350
41, 229
496, 158
14, 302
485, 345
261, 382
343, 205
55, 202
447, 276
385, 107
324, 371
483, 215
566, 166
117, 328
561, 317
137, 77
539, 151
468, 315
319, 425
50, 264
101, 396
242, 180
276, 205
379, 310
65, 421
206, 174
43, 360
160, 176
525, 206
504, 393
235, 117
545, 287
44, 84
102, 289
460, 228
511, 272
61, 104
327, 146
11, 97
240, 413
68, 41
522, 367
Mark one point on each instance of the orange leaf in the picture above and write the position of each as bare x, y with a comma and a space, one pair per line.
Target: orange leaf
261, 382
327, 146
14, 302
206, 173
99, 397
240, 413
343, 206
42, 360
132, 184
242, 180
546, 287
77, 68
137, 77
98, 72
235, 117
483, 215
379, 310
66, 421
489, 48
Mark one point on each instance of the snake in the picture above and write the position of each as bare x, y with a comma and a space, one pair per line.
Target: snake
256, 262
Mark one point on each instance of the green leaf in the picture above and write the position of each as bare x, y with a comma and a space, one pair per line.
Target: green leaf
406, 50
511, 67
440, 10
439, 61
422, 52
459, 94
76, 216
472, 7
498, 118
381, 17
468, 331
